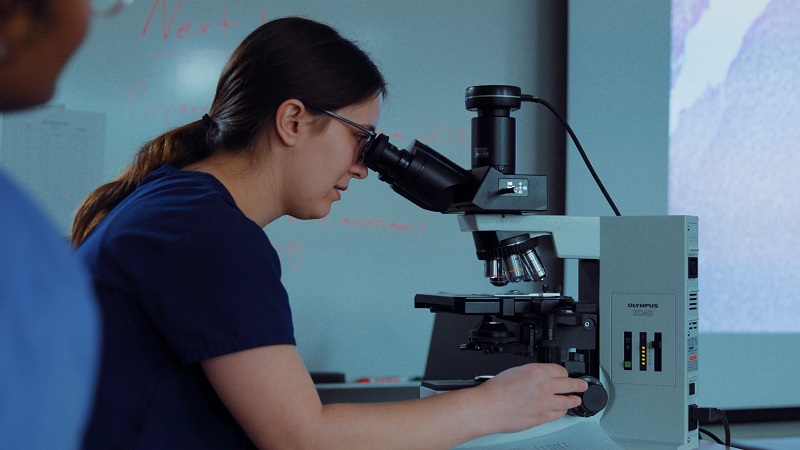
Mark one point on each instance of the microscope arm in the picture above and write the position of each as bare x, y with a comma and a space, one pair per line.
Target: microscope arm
573, 237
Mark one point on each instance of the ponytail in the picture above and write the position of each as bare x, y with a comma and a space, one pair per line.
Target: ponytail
179, 147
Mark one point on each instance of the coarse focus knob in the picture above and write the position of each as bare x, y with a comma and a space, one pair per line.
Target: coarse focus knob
593, 400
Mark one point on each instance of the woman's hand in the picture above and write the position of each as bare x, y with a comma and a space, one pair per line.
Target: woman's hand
529, 395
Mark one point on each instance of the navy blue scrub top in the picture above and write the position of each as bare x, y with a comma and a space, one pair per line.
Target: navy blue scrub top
182, 275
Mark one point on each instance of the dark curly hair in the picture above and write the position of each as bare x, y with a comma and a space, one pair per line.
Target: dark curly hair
34, 7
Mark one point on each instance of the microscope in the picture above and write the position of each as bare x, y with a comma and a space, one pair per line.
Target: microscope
632, 331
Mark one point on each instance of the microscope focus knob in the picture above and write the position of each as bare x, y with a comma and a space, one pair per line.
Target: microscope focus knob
593, 400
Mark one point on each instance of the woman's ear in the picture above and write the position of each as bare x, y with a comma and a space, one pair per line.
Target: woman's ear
288, 119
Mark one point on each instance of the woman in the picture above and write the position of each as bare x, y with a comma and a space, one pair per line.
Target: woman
49, 325
199, 348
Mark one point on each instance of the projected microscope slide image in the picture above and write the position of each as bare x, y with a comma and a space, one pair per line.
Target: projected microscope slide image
734, 131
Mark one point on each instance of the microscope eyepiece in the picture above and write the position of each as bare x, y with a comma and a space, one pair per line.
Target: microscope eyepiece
418, 173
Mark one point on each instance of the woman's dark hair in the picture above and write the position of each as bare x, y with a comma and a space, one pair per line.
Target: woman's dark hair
285, 58
33, 7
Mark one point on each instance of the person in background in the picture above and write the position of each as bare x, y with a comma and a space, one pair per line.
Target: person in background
49, 324
199, 349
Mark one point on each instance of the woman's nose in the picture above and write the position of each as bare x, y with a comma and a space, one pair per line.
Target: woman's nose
360, 170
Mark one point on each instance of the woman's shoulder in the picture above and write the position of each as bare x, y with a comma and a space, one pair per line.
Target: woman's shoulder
21, 221
173, 196
46, 294
39, 268
170, 182
168, 206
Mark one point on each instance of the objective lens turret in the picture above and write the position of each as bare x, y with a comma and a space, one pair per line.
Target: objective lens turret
511, 259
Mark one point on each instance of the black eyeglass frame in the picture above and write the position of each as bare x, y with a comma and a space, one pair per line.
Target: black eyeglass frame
371, 134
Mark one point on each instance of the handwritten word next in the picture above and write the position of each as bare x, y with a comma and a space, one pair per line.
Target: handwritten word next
186, 29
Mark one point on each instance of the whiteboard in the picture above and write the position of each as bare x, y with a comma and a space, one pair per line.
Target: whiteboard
352, 276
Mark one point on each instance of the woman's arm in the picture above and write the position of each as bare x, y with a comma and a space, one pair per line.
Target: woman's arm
270, 393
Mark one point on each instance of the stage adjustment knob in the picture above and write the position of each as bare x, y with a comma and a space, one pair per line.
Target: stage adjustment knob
593, 400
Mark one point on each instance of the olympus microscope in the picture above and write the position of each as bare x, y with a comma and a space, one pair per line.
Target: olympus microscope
632, 331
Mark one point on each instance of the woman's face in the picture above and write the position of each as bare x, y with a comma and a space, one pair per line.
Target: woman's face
38, 49
331, 161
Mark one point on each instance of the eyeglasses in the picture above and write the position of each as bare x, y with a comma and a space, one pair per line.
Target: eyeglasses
367, 138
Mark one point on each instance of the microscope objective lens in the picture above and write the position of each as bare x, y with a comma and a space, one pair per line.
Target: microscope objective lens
515, 271
534, 266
